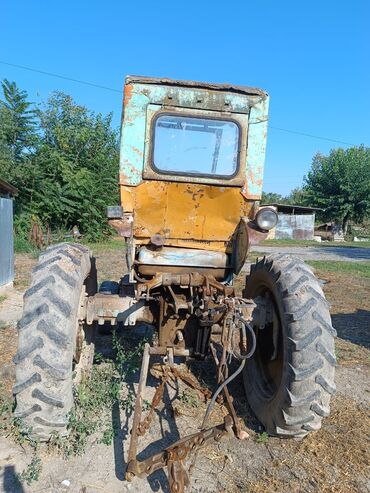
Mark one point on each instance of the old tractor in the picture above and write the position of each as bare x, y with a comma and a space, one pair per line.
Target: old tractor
191, 166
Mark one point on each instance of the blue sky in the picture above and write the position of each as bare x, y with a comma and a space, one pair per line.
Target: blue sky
311, 56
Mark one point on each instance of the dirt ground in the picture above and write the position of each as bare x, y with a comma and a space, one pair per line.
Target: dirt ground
335, 459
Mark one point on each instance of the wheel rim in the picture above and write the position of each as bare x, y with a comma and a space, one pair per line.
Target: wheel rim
84, 343
269, 355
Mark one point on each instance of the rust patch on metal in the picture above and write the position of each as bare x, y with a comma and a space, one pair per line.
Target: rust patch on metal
138, 151
122, 226
128, 93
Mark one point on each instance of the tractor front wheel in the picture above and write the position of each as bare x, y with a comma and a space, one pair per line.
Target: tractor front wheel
290, 378
54, 347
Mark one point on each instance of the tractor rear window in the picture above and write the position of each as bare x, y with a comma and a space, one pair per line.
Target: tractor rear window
195, 146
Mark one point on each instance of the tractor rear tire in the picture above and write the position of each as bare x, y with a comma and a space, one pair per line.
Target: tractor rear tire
47, 339
290, 378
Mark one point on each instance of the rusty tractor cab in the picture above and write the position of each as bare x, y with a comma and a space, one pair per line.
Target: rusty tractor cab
192, 157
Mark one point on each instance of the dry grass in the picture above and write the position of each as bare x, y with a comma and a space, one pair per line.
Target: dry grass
333, 460
110, 263
24, 263
8, 348
349, 297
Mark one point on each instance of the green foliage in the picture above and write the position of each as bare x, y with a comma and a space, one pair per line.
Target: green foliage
272, 198
296, 197
32, 471
108, 435
361, 269
95, 397
190, 399
22, 245
17, 126
340, 184
63, 158
112, 243
262, 437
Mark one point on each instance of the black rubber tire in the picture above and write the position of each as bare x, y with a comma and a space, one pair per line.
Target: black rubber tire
301, 395
46, 339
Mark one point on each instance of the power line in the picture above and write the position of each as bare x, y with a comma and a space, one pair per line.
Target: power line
51, 74
312, 136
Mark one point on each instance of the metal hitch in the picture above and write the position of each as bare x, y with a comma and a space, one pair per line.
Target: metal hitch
175, 457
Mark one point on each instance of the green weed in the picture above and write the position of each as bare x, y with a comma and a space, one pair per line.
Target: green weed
262, 437
22, 245
32, 471
95, 397
113, 243
108, 435
146, 405
189, 398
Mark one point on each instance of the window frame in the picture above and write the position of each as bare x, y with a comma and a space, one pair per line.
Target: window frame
198, 116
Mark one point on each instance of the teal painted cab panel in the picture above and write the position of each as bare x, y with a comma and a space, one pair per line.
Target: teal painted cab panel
248, 105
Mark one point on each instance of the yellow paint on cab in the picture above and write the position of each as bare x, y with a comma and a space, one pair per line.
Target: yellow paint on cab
186, 214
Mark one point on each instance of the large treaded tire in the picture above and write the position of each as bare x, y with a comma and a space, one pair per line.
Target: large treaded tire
47, 338
302, 397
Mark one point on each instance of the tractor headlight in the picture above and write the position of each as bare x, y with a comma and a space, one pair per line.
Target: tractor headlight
266, 218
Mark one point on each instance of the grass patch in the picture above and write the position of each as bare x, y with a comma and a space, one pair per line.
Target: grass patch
116, 243
21, 245
262, 437
190, 399
288, 242
32, 471
95, 397
2, 298
312, 243
361, 269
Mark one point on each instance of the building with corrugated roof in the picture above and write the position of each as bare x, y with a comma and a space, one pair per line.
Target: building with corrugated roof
295, 222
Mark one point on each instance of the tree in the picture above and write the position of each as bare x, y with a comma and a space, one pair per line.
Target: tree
272, 198
63, 158
75, 168
340, 183
297, 197
17, 122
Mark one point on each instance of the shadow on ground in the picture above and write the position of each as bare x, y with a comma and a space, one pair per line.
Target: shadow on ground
11, 483
353, 327
204, 371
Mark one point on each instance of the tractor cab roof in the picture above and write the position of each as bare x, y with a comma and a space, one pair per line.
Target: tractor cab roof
225, 87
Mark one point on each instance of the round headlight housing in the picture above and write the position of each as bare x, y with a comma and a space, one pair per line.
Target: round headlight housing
266, 218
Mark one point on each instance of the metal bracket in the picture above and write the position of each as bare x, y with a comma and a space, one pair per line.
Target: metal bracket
173, 457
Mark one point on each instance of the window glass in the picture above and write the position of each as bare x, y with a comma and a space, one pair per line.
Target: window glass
194, 145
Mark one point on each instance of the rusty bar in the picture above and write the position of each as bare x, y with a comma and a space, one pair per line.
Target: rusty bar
138, 409
180, 449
